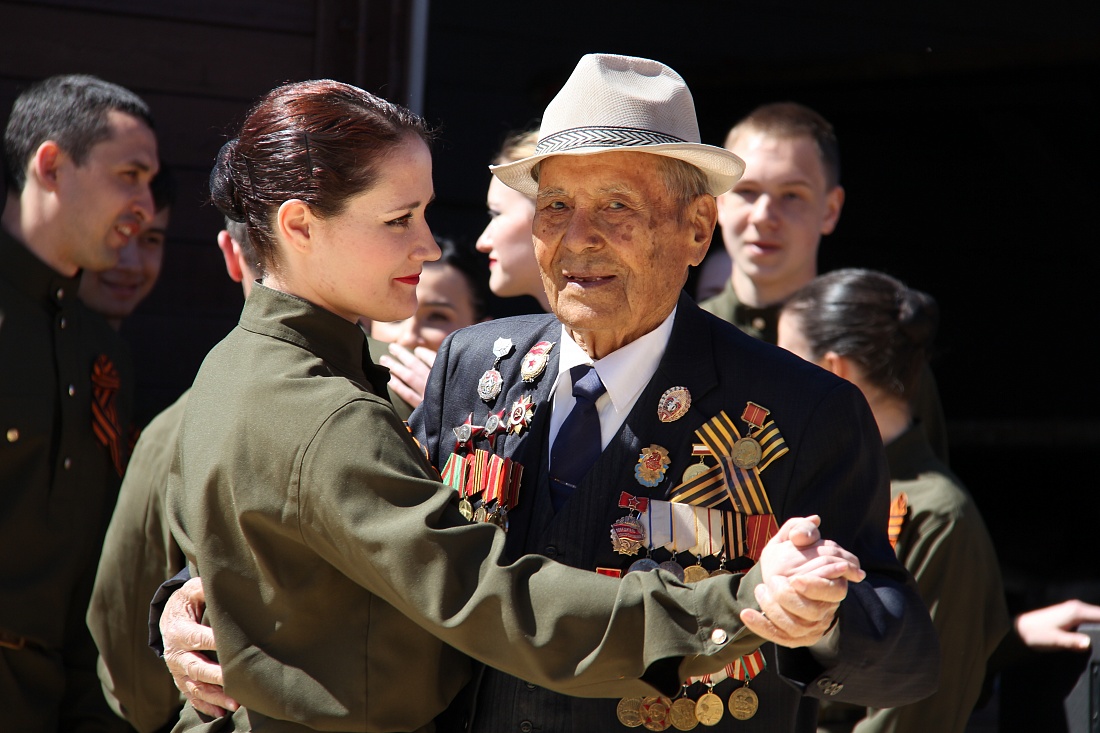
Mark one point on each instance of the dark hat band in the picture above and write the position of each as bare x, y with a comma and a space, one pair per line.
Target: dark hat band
601, 137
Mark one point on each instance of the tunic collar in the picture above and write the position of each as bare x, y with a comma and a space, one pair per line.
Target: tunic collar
337, 341
33, 277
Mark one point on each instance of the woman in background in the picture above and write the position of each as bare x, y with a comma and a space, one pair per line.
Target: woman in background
507, 241
451, 295
875, 332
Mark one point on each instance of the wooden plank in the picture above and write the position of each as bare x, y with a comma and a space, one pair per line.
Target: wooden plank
290, 16
162, 55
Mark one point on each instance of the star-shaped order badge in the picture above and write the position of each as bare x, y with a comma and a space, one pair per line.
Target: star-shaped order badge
519, 416
495, 424
466, 432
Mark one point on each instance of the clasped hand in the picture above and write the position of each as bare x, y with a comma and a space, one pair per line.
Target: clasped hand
804, 580
196, 676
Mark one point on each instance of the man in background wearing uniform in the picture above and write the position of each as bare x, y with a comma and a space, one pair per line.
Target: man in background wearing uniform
79, 153
772, 223
116, 293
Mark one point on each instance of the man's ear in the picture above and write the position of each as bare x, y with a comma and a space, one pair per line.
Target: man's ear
702, 218
231, 252
294, 221
44, 164
834, 202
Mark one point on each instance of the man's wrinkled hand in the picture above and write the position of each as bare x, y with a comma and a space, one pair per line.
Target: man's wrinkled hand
804, 580
185, 637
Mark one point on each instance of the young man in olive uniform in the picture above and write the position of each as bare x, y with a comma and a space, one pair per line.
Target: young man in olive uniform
80, 153
772, 223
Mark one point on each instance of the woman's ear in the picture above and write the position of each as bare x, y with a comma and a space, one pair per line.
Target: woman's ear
293, 222
837, 364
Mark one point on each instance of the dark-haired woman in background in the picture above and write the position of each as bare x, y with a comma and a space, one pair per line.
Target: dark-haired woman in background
875, 332
451, 295
344, 588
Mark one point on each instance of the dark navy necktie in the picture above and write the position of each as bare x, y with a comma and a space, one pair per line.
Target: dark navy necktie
578, 443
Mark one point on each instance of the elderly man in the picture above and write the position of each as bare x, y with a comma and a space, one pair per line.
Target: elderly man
632, 432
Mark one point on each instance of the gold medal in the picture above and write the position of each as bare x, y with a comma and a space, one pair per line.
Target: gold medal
696, 470
744, 703
466, 509
746, 453
629, 711
673, 404
682, 714
651, 466
709, 709
655, 712
695, 573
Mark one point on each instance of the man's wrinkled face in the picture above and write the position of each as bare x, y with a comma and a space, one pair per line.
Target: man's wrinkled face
612, 250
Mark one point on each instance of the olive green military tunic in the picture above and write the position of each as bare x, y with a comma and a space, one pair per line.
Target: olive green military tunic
345, 589
138, 554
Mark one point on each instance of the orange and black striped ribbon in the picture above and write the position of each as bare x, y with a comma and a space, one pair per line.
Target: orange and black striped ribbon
105, 425
899, 507
476, 465
741, 487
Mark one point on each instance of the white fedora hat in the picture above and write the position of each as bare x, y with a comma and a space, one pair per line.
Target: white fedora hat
612, 103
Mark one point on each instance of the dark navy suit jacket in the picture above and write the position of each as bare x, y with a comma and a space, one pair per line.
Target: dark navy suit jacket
888, 653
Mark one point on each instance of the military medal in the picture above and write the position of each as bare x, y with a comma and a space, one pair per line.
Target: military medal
696, 470
495, 423
673, 404
466, 432
709, 708
746, 451
682, 712
488, 387
534, 361
519, 416
627, 534
695, 573
651, 466
454, 475
629, 711
643, 565
655, 712
673, 567
743, 702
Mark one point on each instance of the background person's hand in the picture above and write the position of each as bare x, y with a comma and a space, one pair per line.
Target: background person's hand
1054, 627
185, 637
408, 371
